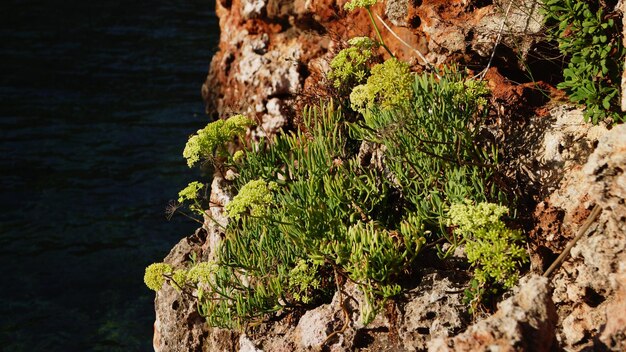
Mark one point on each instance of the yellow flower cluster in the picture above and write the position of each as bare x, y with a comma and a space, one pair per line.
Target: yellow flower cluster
389, 86
154, 277
492, 247
350, 67
190, 192
355, 4
254, 198
201, 272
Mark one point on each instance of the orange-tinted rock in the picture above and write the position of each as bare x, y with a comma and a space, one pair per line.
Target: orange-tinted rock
301, 33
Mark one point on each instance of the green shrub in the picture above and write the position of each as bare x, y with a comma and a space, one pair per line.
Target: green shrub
330, 212
592, 42
305, 205
376, 257
431, 145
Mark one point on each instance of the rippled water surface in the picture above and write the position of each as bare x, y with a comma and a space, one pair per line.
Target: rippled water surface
97, 99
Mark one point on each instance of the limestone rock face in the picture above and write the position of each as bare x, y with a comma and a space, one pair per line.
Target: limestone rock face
517, 23
397, 12
524, 322
273, 53
433, 312
591, 282
279, 49
315, 326
178, 326
613, 334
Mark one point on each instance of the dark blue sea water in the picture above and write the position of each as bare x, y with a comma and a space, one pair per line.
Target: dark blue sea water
97, 99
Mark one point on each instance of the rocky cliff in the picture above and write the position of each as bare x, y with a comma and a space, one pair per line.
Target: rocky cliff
272, 59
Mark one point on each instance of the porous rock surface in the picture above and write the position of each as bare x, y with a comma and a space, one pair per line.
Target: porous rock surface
274, 53
178, 326
589, 286
525, 322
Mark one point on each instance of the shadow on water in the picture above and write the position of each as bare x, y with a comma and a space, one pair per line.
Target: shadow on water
97, 99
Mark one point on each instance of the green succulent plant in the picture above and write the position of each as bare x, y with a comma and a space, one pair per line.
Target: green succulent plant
306, 204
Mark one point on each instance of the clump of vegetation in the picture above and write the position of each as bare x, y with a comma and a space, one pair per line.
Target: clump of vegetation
307, 206
591, 41
492, 248
431, 146
376, 258
309, 213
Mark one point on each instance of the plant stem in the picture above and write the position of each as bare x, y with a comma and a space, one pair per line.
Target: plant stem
482, 74
380, 37
191, 217
419, 53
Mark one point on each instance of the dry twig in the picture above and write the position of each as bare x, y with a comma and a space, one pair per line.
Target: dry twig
592, 217
482, 74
